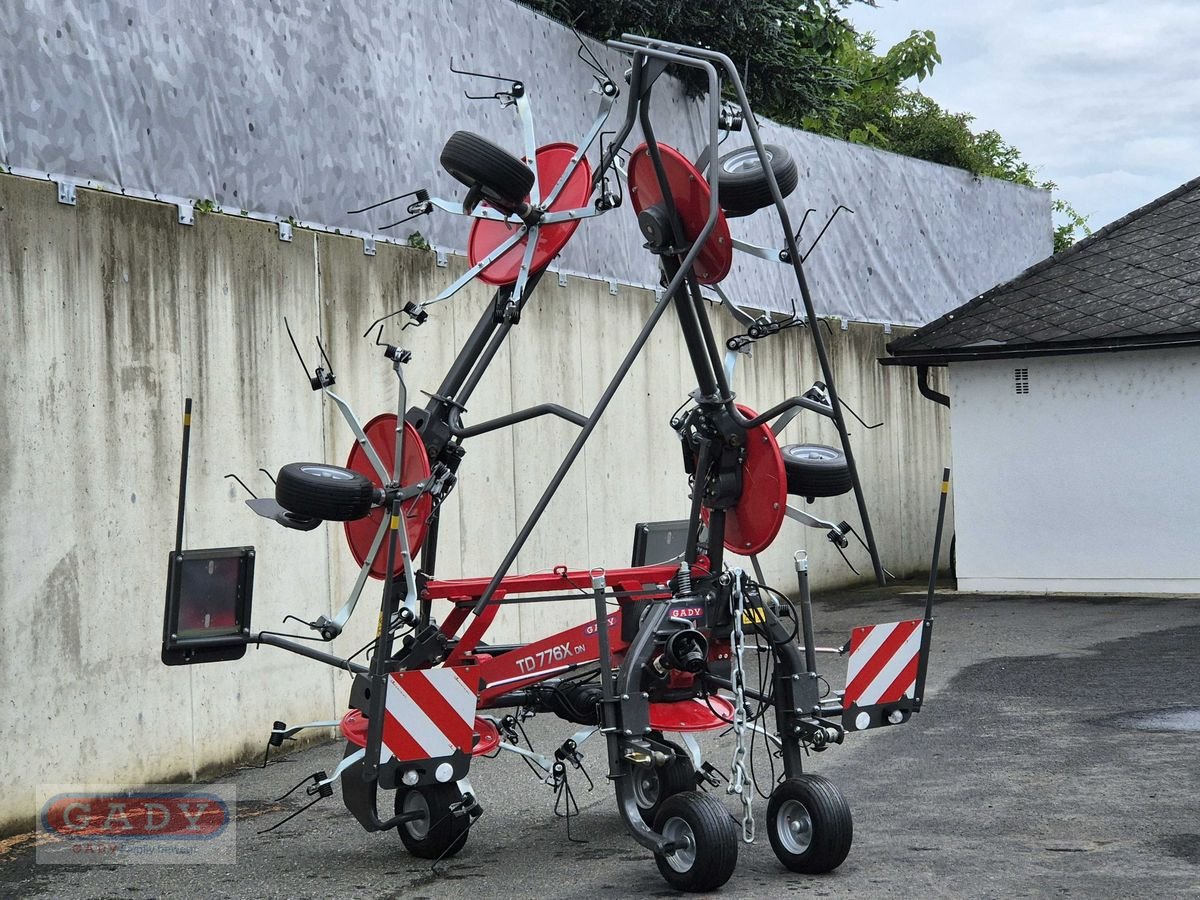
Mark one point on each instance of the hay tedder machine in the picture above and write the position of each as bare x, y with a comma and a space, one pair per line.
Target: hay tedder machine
662, 655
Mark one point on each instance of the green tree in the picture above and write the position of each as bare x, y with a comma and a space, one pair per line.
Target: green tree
805, 65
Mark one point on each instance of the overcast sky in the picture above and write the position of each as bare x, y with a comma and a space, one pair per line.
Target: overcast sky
1101, 96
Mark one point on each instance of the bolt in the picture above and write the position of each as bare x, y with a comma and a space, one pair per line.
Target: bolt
645, 696
624, 696
628, 733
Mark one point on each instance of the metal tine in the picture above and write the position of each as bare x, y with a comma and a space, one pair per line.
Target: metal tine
243, 484
590, 59
352, 212
505, 97
829, 222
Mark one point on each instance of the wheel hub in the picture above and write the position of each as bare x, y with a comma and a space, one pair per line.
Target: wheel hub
794, 826
419, 827
646, 788
680, 833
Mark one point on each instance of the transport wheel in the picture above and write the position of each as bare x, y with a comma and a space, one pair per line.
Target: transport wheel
705, 838
438, 832
809, 824
654, 784
743, 188
318, 491
474, 160
814, 470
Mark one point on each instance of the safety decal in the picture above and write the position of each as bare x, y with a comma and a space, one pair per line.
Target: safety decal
883, 663
430, 713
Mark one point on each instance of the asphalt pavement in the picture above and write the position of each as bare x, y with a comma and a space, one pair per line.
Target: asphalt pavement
1058, 755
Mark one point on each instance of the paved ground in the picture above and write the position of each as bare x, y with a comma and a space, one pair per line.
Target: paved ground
1023, 776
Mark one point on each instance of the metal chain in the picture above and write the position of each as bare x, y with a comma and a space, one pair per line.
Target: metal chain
740, 781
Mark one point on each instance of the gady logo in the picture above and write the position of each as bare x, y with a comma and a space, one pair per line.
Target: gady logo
114, 816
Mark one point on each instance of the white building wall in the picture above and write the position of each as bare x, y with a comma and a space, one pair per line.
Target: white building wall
1087, 483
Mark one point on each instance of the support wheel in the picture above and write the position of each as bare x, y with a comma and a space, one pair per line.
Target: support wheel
742, 186
475, 160
318, 491
653, 785
809, 824
814, 470
437, 832
705, 838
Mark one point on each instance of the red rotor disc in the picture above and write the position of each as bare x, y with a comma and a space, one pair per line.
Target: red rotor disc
752, 525
486, 235
692, 715
381, 432
692, 196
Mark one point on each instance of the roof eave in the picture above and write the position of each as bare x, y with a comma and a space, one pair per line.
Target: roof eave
944, 357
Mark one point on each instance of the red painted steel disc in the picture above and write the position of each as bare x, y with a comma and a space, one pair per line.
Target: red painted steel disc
692, 196
381, 432
487, 737
692, 715
354, 728
486, 235
753, 524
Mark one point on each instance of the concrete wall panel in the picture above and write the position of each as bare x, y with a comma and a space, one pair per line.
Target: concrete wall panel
116, 312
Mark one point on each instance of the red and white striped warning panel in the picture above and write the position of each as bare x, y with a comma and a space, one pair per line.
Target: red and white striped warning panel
430, 713
883, 663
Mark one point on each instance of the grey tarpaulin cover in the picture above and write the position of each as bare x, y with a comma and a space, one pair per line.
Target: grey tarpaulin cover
309, 109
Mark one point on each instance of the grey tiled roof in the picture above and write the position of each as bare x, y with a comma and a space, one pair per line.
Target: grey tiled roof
1134, 283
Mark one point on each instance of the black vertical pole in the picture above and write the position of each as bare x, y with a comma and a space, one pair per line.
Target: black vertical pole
183, 468
927, 625
937, 543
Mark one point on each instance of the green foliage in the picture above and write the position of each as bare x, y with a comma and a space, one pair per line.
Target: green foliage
788, 47
804, 65
417, 241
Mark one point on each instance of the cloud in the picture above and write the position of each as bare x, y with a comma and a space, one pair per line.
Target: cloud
1101, 97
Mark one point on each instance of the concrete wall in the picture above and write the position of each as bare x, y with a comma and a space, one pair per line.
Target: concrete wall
112, 313
1086, 483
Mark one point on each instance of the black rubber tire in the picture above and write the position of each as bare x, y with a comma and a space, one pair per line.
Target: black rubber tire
440, 833
474, 160
742, 187
318, 491
652, 786
711, 855
814, 470
809, 824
